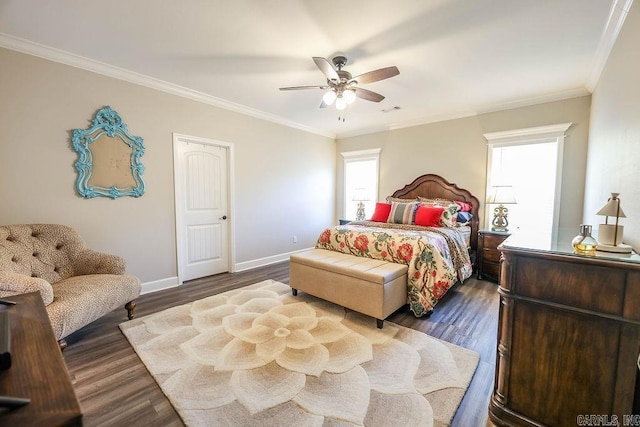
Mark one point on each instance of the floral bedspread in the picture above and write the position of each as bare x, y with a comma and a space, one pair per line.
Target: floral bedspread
437, 257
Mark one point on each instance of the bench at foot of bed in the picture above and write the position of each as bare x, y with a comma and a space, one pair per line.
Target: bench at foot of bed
372, 287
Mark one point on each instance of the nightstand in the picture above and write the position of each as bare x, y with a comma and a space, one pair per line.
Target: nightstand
489, 255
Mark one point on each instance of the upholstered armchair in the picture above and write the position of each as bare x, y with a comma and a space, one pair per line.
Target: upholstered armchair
77, 285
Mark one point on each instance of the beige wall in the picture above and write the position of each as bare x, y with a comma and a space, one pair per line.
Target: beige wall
284, 178
614, 137
457, 150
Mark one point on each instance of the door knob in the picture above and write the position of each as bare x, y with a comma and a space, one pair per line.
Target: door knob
223, 217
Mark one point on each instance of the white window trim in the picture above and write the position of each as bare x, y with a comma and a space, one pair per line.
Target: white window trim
360, 155
533, 135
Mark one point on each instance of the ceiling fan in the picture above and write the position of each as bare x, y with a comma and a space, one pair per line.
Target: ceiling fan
342, 87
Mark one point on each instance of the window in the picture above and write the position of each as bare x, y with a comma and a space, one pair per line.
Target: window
530, 160
360, 182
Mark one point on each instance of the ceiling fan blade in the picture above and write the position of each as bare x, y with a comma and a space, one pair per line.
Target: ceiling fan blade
368, 95
324, 105
326, 68
374, 76
303, 87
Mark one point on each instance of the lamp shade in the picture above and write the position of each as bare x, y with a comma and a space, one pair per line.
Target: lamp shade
610, 235
360, 195
502, 195
612, 208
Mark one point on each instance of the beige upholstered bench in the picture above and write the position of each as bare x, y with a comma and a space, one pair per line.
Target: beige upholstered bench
372, 287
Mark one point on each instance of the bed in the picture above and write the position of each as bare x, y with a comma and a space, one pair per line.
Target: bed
437, 257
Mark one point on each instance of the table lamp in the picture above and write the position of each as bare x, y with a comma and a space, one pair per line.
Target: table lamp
360, 196
501, 195
610, 235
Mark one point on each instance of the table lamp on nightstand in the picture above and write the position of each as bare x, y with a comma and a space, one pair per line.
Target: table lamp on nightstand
360, 196
610, 235
501, 195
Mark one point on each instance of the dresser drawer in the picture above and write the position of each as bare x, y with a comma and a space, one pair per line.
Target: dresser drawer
591, 287
491, 269
491, 255
492, 241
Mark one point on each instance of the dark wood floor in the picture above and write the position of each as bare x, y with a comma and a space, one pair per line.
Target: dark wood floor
114, 388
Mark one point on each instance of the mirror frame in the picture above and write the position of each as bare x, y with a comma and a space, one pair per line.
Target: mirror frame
106, 122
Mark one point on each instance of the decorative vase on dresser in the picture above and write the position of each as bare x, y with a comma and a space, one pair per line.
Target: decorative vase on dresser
568, 336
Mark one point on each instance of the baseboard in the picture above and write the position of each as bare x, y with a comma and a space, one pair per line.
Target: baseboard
172, 282
159, 285
261, 262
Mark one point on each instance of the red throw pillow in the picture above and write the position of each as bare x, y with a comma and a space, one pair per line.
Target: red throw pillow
381, 212
464, 206
428, 216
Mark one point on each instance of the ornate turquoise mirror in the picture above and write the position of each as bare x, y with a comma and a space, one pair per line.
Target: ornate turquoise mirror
108, 158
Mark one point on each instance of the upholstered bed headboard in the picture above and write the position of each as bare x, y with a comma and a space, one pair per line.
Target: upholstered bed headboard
436, 187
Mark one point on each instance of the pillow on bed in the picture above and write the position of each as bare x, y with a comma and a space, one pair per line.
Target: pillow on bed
463, 217
390, 199
449, 214
435, 201
381, 213
464, 206
402, 213
429, 216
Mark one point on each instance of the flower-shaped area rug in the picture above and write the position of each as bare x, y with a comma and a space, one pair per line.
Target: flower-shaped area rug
260, 356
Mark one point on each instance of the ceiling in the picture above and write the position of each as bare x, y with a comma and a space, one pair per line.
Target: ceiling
456, 57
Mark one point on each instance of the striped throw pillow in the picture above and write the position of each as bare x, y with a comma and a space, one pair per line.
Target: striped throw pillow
402, 213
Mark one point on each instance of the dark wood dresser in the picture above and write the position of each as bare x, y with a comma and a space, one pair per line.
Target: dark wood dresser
38, 371
568, 336
489, 255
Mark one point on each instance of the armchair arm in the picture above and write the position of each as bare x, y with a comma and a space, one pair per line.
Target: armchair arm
15, 284
92, 262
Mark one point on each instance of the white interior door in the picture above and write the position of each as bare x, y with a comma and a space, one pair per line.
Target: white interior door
201, 207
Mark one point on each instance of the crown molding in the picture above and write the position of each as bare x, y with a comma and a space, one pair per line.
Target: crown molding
538, 132
557, 96
77, 61
535, 100
361, 153
617, 16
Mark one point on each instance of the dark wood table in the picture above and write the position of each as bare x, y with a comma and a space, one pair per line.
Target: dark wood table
38, 371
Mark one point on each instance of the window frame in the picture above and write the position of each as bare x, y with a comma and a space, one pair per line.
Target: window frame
529, 136
359, 156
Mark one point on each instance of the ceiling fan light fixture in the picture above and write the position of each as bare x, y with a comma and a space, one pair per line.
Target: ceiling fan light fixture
329, 97
341, 87
349, 95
